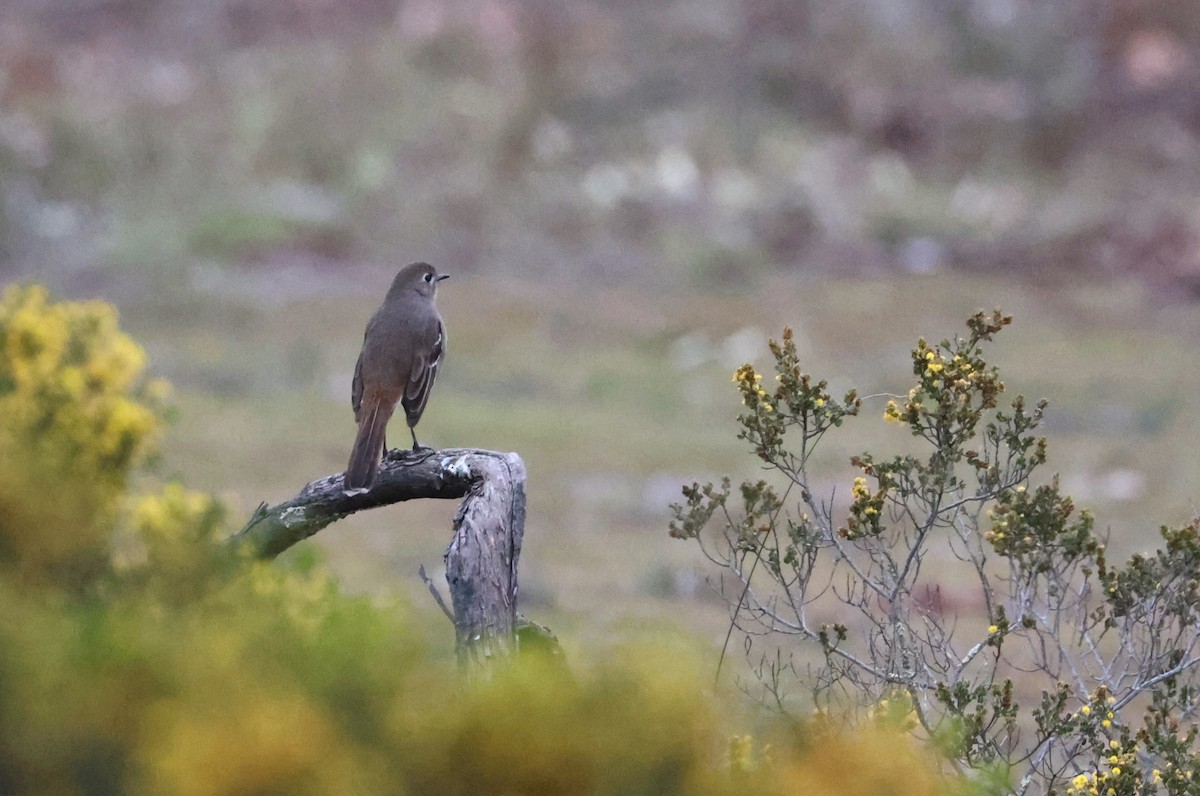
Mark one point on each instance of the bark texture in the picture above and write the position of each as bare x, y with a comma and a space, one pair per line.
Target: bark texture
481, 561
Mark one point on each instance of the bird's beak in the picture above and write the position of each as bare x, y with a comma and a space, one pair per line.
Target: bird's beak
440, 277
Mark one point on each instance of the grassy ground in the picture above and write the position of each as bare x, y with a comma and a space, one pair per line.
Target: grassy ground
615, 397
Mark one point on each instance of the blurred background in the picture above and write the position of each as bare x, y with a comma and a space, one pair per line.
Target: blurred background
631, 198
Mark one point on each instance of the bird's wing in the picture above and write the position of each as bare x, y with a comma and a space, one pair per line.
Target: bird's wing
356, 388
424, 371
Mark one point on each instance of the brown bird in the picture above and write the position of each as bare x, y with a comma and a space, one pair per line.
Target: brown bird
402, 348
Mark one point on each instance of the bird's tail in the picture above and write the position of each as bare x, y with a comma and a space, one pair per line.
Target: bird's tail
368, 448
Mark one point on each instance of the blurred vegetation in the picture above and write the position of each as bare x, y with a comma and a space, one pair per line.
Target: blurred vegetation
708, 140
76, 418
167, 665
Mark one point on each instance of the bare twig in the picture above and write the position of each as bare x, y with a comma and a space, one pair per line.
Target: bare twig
433, 589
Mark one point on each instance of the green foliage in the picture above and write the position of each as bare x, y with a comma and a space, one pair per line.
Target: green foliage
172, 666
1052, 614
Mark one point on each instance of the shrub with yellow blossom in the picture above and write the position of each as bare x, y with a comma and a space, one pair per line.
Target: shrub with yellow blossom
797, 403
1052, 612
76, 417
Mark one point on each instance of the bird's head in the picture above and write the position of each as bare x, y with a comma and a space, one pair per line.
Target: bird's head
419, 277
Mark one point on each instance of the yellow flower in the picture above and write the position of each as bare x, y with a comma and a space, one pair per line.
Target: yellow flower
740, 749
993, 629
934, 367
1085, 710
72, 381
1106, 724
1113, 744
819, 403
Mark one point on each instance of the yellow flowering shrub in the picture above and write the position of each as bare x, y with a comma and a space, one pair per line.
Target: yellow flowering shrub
866, 762
235, 694
958, 506
76, 416
161, 540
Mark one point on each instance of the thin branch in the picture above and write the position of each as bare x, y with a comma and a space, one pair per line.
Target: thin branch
433, 589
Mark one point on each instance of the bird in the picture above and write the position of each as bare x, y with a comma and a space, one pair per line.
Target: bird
403, 346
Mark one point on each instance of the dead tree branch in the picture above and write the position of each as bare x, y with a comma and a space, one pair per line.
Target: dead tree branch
481, 561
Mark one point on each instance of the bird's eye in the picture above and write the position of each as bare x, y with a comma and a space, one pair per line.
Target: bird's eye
428, 277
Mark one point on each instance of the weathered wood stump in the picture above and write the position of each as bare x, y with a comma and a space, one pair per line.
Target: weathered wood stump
481, 561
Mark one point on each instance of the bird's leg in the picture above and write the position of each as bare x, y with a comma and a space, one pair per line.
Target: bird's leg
417, 447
